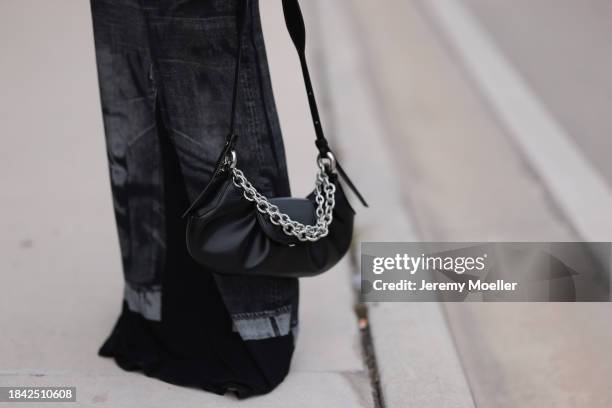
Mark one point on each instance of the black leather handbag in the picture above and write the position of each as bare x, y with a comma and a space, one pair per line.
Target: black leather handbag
232, 229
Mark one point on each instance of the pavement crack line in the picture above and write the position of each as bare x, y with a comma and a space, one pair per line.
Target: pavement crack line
360, 308
365, 333
369, 354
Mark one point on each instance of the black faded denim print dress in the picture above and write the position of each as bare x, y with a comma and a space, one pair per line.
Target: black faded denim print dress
165, 69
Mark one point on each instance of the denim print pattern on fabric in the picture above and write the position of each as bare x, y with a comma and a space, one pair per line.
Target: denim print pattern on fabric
128, 98
166, 68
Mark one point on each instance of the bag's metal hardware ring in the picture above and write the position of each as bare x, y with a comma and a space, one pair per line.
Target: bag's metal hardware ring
231, 160
329, 161
325, 192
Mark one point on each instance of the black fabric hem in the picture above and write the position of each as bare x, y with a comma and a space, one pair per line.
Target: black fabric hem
137, 351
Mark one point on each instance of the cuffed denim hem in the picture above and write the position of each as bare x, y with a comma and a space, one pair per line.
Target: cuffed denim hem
147, 302
264, 324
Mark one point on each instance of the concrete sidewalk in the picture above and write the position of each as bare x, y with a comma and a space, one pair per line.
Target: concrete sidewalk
414, 133
464, 177
61, 281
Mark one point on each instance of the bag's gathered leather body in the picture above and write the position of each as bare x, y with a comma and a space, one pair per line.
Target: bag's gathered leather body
228, 232
228, 235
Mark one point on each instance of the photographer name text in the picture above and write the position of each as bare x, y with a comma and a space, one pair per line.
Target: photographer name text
426, 286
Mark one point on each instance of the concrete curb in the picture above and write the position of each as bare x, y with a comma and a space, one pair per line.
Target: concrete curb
417, 361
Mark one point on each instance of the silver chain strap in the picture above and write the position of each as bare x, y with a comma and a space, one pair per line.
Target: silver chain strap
324, 197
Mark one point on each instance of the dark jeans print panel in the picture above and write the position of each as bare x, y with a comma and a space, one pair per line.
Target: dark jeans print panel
166, 71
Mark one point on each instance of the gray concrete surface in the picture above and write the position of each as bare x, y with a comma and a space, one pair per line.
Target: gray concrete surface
562, 49
464, 179
417, 361
549, 148
414, 132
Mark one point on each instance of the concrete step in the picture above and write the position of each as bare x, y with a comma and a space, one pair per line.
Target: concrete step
417, 362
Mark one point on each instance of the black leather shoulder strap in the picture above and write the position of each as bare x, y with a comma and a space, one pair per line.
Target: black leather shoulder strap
297, 31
